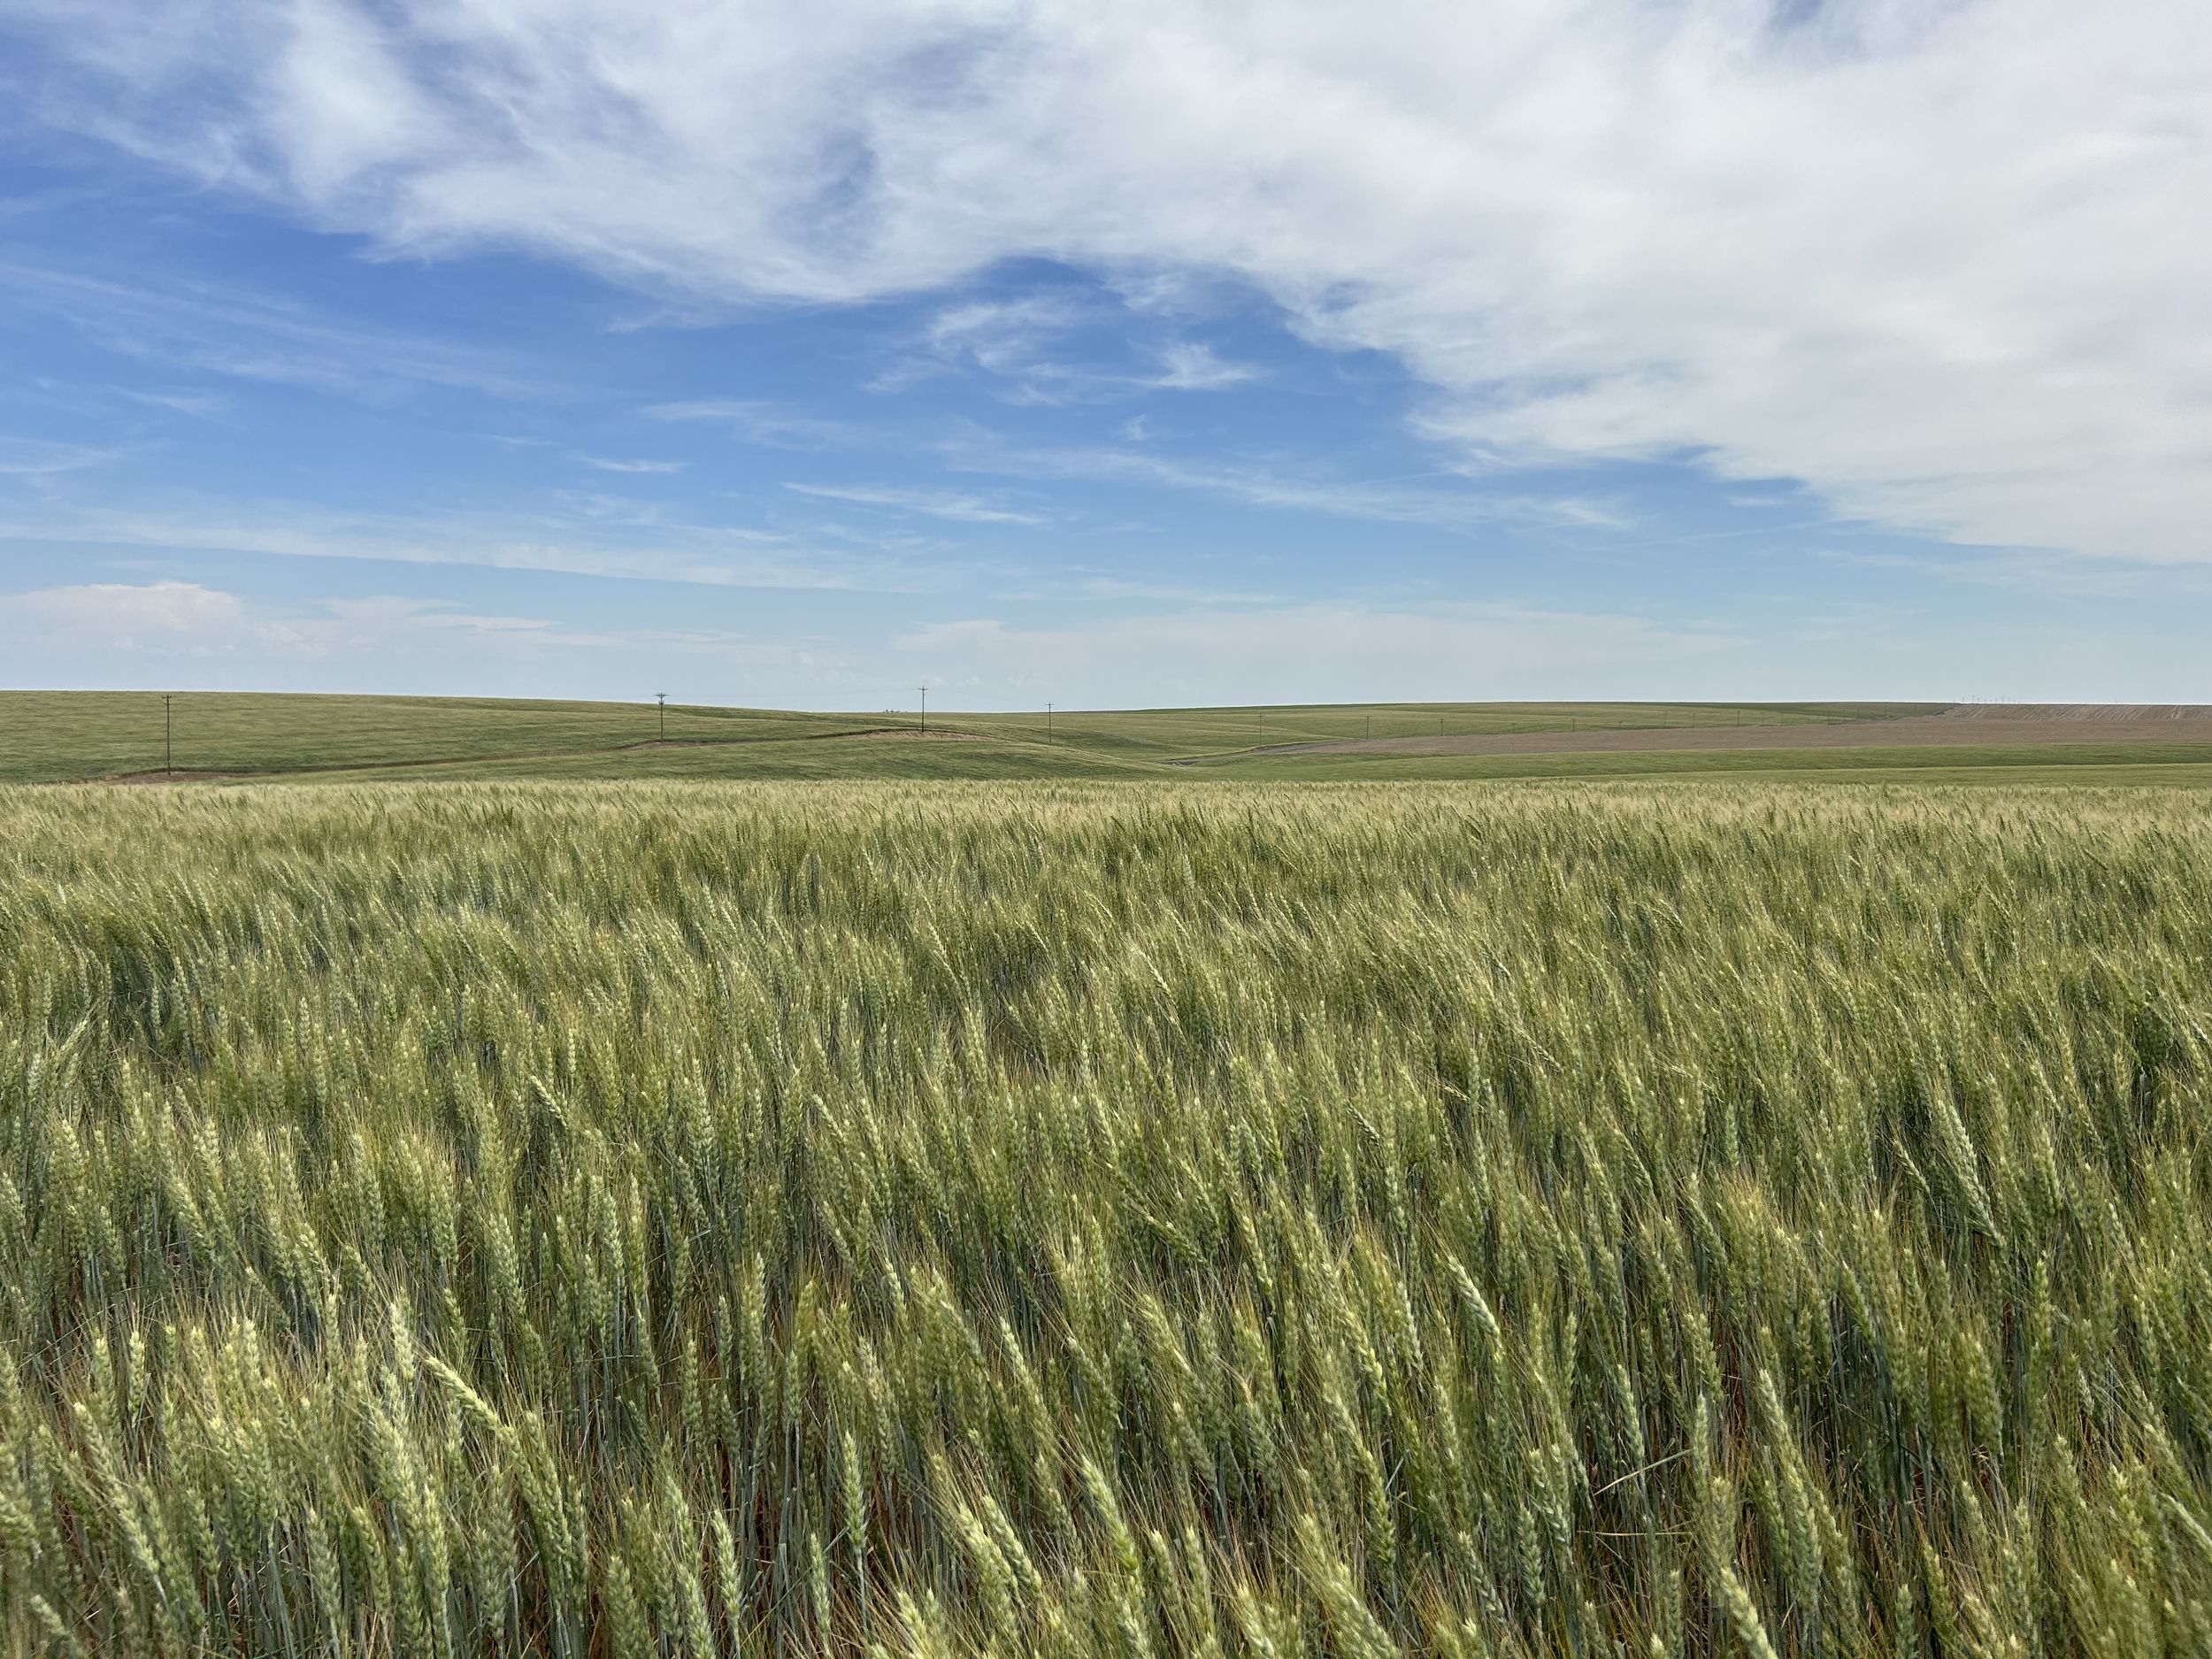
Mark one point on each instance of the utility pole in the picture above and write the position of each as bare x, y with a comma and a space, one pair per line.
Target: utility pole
168, 748
1048, 723
925, 691
663, 696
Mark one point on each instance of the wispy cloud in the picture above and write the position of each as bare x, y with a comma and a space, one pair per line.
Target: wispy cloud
1387, 501
753, 421
1189, 365
614, 464
1606, 230
1029, 342
252, 335
1007, 336
1018, 341
1126, 589
38, 457
596, 537
188, 620
199, 405
934, 504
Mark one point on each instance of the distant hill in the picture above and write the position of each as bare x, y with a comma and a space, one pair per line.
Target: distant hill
66, 737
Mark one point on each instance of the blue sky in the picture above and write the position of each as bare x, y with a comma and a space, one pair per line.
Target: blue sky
531, 346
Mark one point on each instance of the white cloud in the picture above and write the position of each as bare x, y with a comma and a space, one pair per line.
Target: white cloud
248, 334
1007, 336
1019, 341
37, 458
199, 405
1187, 366
596, 536
935, 503
1121, 588
753, 421
1023, 340
1310, 653
1944, 263
613, 464
383, 625
1388, 501
117, 616
179, 620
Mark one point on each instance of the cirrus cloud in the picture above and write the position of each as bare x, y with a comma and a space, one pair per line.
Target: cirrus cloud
1936, 261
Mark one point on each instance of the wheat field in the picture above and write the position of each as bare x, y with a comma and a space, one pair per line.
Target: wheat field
1088, 1220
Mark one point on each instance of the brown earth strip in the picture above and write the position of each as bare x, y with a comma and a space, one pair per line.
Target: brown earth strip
2100, 712
2011, 725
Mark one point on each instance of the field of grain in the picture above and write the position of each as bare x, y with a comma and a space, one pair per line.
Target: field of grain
1133, 1220
222, 737
57, 736
2169, 725
225, 738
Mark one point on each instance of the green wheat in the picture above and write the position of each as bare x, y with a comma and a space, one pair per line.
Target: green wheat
1059, 1220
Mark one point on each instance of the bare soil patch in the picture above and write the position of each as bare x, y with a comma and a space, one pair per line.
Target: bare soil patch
1987, 724
2103, 713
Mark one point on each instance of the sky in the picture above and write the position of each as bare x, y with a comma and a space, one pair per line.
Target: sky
1145, 354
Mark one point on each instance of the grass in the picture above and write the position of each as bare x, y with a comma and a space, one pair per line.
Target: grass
57, 736
849, 759
68, 736
73, 736
1182, 733
1950, 762
1084, 1220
